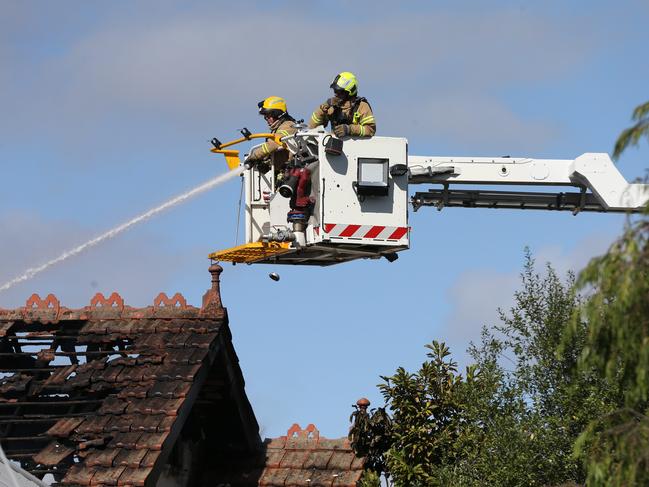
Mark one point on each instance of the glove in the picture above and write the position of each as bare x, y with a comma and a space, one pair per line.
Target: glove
249, 161
341, 130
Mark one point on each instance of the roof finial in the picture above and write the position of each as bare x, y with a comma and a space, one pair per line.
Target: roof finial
212, 298
216, 270
363, 403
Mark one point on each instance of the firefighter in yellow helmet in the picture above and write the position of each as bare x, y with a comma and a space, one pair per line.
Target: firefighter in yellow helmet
348, 113
273, 109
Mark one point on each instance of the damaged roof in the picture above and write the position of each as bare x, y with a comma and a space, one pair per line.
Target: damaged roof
112, 395
100, 395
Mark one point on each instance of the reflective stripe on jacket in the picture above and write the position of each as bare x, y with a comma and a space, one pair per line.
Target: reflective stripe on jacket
268, 149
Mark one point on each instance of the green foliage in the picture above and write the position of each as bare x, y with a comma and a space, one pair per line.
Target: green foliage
617, 348
426, 413
632, 135
371, 436
512, 418
540, 405
617, 343
370, 479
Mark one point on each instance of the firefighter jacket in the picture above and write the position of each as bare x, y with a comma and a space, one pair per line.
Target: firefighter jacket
355, 112
271, 150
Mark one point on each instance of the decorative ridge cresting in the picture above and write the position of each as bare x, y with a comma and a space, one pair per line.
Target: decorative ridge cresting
113, 301
36, 308
50, 302
176, 301
49, 309
308, 433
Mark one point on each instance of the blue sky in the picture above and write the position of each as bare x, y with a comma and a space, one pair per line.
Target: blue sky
107, 109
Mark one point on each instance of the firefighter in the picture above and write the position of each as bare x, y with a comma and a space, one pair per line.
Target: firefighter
348, 113
270, 153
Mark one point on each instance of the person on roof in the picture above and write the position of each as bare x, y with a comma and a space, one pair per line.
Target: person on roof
348, 113
270, 153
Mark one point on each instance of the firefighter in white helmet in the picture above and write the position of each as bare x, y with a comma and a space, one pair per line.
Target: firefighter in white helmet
348, 113
270, 153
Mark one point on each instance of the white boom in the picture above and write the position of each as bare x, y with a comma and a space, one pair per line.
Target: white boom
345, 200
609, 191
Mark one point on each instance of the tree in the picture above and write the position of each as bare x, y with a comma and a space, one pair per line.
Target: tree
513, 416
632, 135
616, 347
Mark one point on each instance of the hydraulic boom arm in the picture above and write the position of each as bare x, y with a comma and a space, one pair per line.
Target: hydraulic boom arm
345, 199
609, 191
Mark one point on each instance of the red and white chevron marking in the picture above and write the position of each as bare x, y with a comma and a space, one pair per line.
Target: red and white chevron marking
375, 232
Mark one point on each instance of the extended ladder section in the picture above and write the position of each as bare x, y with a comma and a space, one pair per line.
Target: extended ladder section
601, 186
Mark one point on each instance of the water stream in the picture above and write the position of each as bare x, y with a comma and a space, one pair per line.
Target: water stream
212, 183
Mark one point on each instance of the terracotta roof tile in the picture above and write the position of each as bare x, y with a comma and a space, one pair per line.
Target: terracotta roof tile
165, 423
136, 390
148, 424
126, 440
129, 458
200, 341
298, 479
102, 458
152, 357
113, 405
321, 478
178, 372
53, 454
294, 459
64, 427
358, 463
161, 388
318, 459
341, 460
109, 374
337, 444
79, 475
107, 476
150, 458
94, 424
151, 441
133, 476
303, 457
59, 377
119, 423
274, 458
274, 477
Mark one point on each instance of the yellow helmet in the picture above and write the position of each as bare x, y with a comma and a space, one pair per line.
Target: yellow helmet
346, 82
273, 105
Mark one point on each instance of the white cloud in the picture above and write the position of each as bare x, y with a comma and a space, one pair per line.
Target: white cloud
476, 295
446, 69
